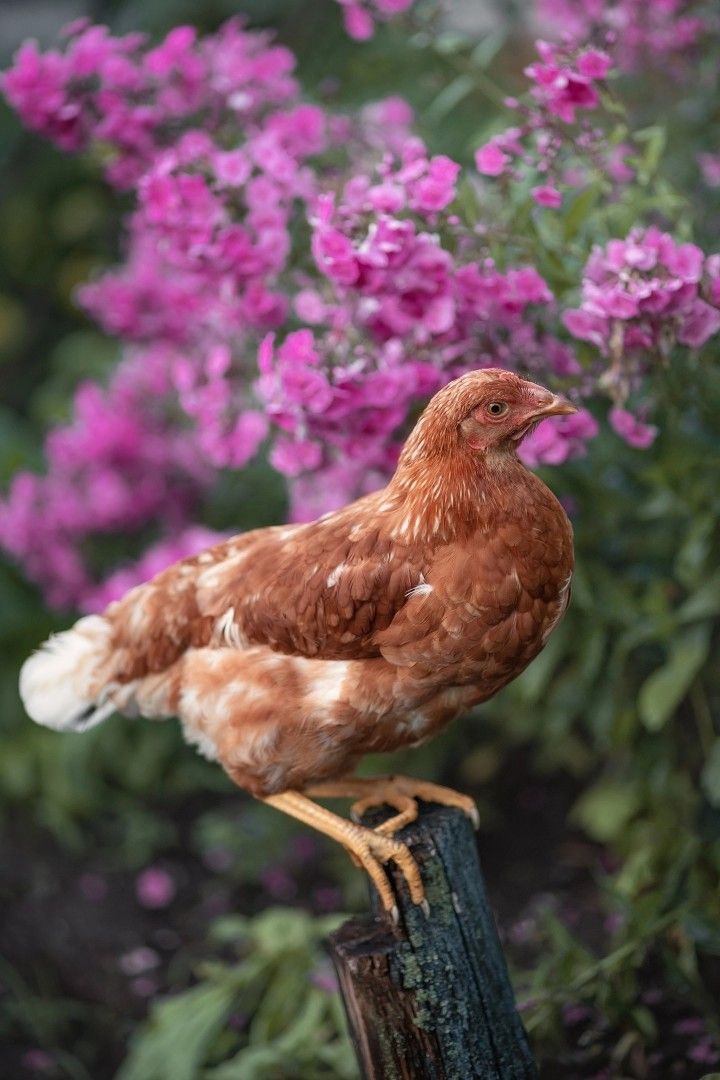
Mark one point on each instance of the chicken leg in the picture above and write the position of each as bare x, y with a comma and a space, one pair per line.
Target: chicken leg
368, 847
400, 792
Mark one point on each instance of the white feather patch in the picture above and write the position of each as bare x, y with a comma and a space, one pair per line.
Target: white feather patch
227, 630
56, 681
334, 575
421, 589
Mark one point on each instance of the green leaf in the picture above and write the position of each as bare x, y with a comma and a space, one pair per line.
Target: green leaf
704, 602
580, 210
487, 49
449, 98
654, 138
180, 1031
710, 779
663, 691
605, 810
467, 206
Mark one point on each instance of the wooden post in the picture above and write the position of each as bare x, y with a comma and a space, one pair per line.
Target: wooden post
431, 998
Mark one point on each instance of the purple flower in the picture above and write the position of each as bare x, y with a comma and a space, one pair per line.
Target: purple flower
557, 440
546, 195
640, 295
576, 1014
490, 160
692, 1025
279, 884
555, 127
359, 15
115, 90
38, 1061
327, 899
155, 888
324, 978
641, 32
145, 986
704, 1051
358, 22
710, 169
632, 430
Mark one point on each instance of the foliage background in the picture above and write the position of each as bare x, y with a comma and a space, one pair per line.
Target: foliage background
597, 773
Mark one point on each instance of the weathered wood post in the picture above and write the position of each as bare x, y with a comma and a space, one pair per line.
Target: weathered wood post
431, 998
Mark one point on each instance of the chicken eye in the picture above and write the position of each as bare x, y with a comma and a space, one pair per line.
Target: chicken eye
497, 408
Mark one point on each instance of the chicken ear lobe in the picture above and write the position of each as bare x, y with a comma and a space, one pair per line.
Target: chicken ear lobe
474, 432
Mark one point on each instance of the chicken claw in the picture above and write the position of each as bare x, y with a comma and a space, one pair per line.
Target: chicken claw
368, 847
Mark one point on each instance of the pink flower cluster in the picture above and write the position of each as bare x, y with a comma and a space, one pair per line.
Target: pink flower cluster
121, 463
239, 329
132, 99
637, 31
207, 244
641, 296
556, 441
564, 86
397, 316
360, 16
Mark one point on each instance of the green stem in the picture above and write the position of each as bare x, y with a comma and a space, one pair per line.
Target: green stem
703, 717
602, 967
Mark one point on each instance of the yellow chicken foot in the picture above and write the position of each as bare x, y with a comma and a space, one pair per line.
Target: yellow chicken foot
400, 792
369, 792
369, 848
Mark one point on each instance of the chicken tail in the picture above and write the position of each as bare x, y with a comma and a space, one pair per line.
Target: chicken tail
61, 685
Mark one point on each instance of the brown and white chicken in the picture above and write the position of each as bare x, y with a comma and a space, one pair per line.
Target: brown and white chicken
290, 652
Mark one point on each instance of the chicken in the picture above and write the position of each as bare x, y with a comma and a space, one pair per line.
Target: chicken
290, 652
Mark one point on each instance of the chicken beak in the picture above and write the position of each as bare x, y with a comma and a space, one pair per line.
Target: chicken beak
559, 406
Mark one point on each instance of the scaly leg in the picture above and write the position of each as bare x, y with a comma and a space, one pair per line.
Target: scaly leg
369, 848
399, 792
368, 792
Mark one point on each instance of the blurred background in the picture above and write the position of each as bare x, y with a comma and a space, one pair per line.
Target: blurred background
130, 869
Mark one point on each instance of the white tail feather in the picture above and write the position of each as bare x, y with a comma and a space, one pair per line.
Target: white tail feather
59, 683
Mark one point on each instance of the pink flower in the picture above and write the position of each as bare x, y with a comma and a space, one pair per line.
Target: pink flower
547, 196
632, 430
145, 986
118, 92
324, 978
593, 64
155, 888
540, 145
39, 1061
436, 189
556, 441
563, 83
710, 168
651, 286
641, 32
358, 22
490, 160
359, 15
